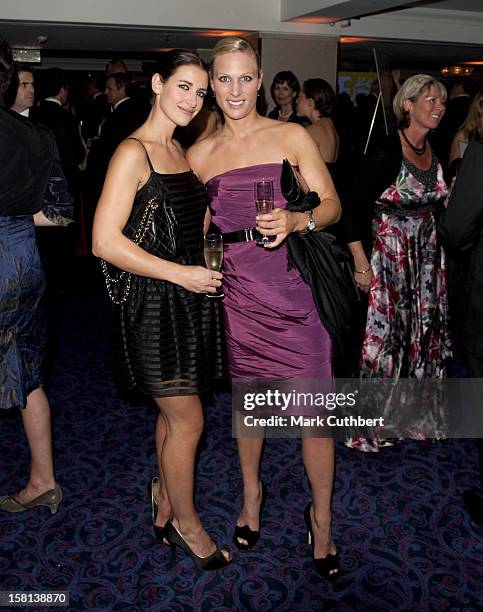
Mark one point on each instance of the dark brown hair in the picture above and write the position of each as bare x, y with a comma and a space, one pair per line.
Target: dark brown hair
322, 94
286, 76
171, 60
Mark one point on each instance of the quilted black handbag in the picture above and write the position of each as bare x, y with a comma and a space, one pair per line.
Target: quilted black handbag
153, 226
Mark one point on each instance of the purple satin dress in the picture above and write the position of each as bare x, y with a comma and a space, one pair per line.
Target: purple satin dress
272, 326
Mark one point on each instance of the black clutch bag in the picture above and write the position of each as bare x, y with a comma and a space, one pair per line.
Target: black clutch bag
295, 190
292, 184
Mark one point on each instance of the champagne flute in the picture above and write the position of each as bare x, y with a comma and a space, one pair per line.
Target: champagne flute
213, 252
264, 202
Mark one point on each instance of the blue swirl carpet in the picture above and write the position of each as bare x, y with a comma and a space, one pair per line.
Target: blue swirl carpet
405, 541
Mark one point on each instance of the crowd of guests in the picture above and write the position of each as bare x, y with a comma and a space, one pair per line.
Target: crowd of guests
154, 199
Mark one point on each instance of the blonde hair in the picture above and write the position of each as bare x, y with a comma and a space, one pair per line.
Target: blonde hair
412, 89
472, 125
232, 44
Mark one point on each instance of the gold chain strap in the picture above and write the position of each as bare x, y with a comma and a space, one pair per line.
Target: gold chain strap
112, 281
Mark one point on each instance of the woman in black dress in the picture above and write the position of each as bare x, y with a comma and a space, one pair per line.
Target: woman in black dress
168, 340
284, 90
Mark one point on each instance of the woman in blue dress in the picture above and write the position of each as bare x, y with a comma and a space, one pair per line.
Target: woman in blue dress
33, 192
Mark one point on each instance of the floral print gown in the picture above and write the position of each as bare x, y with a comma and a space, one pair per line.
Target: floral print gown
407, 321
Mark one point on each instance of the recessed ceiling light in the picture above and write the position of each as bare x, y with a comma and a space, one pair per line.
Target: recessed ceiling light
26, 56
456, 71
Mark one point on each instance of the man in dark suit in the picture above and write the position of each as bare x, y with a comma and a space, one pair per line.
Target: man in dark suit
125, 117
461, 226
97, 108
64, 126
57, 251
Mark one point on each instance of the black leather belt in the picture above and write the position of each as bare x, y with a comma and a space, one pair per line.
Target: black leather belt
244, 235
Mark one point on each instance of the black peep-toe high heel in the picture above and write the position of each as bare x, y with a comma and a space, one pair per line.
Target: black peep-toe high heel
243, 532
158, 531
216, 560
327, 567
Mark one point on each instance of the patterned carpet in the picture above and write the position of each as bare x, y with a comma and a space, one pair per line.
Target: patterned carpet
405, 542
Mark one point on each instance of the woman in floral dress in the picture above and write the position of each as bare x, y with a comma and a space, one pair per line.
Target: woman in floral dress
407, 321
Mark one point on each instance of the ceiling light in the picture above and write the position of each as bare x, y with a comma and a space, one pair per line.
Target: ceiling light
456, 71
27, 56
348, 40
314, 19
221, 33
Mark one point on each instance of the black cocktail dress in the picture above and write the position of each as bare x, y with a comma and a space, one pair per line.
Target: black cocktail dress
168, 341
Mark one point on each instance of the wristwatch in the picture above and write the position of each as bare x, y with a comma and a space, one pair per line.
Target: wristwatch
310, 221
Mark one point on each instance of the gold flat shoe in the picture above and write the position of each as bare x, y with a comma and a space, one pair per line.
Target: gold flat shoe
50, 498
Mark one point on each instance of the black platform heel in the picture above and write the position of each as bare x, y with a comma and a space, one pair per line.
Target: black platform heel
217, 560
158, 531
327, 567
243, 532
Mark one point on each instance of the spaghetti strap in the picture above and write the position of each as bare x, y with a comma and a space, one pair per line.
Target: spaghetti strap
145, 150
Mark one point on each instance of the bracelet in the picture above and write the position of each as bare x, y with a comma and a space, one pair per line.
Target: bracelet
363, 271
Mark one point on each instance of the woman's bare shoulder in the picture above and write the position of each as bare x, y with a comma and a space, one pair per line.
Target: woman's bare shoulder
293, 133
129, 164
279, 129
322, 126
130, 151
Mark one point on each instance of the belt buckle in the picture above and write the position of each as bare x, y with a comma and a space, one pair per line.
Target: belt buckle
249, 234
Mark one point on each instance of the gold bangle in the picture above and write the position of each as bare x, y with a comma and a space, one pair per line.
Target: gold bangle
363, 271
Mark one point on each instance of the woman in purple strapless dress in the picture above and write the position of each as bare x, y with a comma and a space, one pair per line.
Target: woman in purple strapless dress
272, 326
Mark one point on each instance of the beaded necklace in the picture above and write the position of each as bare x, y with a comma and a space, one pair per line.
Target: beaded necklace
284, 116
417, 150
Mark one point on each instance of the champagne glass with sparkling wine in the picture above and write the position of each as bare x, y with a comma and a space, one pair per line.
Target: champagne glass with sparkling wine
213, 252
264, 201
